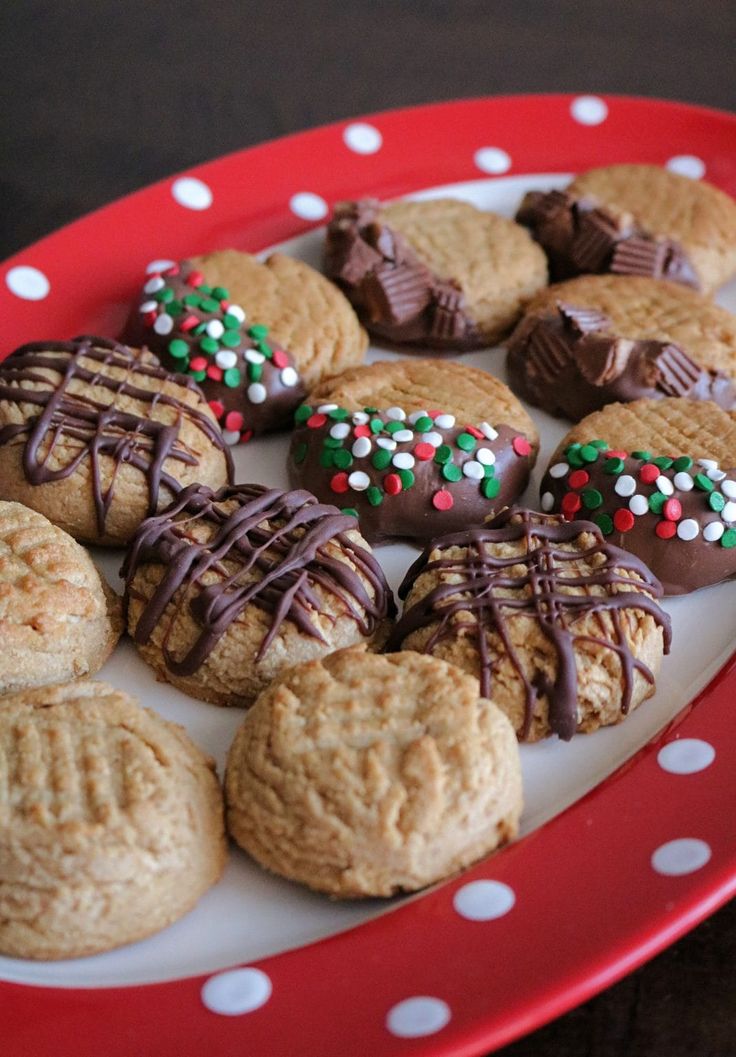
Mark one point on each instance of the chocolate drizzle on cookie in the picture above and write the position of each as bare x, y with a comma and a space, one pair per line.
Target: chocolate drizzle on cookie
267, 548
398, 296
491, 585
579, 235
87, 428
570, 362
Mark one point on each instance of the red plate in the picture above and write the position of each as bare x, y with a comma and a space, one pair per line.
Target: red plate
561, 914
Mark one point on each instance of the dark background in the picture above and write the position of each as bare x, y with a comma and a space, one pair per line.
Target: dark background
100, 97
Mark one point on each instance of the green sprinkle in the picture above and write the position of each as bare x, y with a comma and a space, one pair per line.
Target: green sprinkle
332, 442
198, 376
682, 464
490, 487
465, 441
258, 331
199, 329
716, 502
450, 472
164, 295
325, 458
209, 345
350, 511
394, 427
645, 456
230, 322
374, 495
220, 293
255, 372
604, 523
728, 539
178, 348
192, 300
443, 454
592, 499
613, 465
407, 478
371, 410
423, 424
663, 462
703, 483
302, 413
208, 305
204, 288
175, 308
376, 425
656, 502
342, 458
575, 459
300, 452
589, 453
575, 446
265, 348
339, 414
381, 458
231, 377
600, 444
231, 339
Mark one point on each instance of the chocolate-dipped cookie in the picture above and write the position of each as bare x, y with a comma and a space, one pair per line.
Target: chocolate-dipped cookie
97, 436
659, 479
636, 220
413, 448
562, 629
440, 274
224, 590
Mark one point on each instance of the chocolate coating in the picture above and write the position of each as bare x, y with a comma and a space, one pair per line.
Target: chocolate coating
570, 363
682, 563
580, 235
280, 537
260, 388
435, 493
394, 293
492, 590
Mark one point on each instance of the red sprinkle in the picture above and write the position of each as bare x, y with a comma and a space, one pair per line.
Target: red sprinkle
442, 500
316, 420
195, 279
188, 322
224, 305
649, 473
672, 510
474, 432
217, 407
339, 482
149, 318
571, 503
665, 529
234, 420
623, 520
521, 446
280, 358
245, 437
214, 372
578, 478
199, 363
392, 483
433, 413
173, 270
424, 451
617, 454
362, 431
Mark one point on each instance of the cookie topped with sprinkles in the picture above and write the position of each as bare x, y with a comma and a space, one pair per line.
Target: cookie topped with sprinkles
659, 479
454, 450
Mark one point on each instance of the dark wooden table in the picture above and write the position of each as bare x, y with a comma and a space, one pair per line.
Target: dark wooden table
103, 96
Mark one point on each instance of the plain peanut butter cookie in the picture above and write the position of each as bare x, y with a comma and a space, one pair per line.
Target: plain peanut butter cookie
364, 775
111, 822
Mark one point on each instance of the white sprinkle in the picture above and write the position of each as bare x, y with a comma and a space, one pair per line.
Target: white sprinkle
360, 418
683, 481
361, 448
445, 421
432, 438
215, 328
289, 377
560, 469
664, 485
257, 393
153, 285
403, 460
324, 408
359, 481
230, 436
548, 501
237, 311
225, 359
159, 266
729, 489
474, 470
254, 356
728, 514
688, 529
396, 414
148, 306
485, 456
713, 531
488, 431
386, 442
638, 505
340, 430
415, 416
163, 324
716, 475
401, 436
625, 485
708, 464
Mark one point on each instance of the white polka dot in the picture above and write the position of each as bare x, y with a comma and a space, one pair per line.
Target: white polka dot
682, 856
191, 193
483, 900
418, 1016
492, 160
159, 266
27, 282
308, 206
686, 756
589, 110
686, 165
236, 991
362, 138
